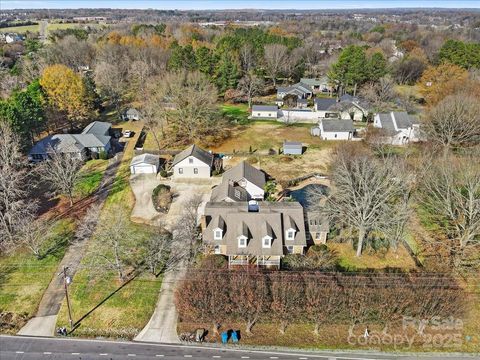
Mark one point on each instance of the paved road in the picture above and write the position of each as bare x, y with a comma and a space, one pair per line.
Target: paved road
20, 348
44, 322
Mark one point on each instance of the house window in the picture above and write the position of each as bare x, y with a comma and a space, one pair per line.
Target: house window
217, 234
290, 234
269, 114
180, 170
190, 160
290, 249
217, 249
242, 242
195, 170
335, 136
267, 242
317, 235
258, 114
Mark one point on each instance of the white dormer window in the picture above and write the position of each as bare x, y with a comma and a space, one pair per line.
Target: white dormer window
267, 242
190, 160
242, 242
290, 234
217, 234
217, 249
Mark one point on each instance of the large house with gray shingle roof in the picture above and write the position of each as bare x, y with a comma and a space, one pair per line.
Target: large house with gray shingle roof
243, 182
93, 140
193, 162
398, 128
300, 90
251, 233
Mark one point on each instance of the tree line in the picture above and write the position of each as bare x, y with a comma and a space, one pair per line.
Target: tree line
322, 299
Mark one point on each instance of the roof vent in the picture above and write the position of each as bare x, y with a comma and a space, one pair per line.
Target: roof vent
253, 206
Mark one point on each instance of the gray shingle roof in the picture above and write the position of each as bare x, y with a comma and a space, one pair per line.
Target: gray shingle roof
324, 103
97, 128
292, 145
195, 151
336, 125
245, 171
269, 220
264, 108
403, 120
145, 158
226, 190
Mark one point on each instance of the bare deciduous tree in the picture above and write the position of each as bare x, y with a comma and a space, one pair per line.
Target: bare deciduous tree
250, 85
118, 246
379, 94
275, 57
247, 58
366, 192
454, 122
16, 208
35, 236
158, 248
451, 190
62, 172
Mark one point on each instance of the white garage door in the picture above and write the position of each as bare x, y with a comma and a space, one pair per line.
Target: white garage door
144, 169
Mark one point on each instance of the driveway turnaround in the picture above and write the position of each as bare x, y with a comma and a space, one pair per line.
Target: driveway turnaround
29, 348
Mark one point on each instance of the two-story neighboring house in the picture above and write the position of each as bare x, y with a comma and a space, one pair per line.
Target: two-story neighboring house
399, 128
193, 162
251, 233
93, 140
243, 182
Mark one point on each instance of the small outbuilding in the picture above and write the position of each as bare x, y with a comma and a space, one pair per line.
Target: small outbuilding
145, 164
335, 129
131, 114
292, 148
265, 112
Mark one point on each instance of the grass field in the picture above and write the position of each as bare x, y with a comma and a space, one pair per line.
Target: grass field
91, 176
51, 27
372, 260
126, 311
24, 278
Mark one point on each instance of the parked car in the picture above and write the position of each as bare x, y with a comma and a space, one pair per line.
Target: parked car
128, 133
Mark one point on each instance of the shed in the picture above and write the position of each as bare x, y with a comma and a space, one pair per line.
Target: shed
132, 114
145, 164
292, 148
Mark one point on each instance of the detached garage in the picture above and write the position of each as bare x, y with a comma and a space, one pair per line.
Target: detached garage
145, 164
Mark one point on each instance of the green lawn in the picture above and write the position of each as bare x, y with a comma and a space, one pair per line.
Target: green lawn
24, 278
128, 310
51, 27
91, 176
235, 112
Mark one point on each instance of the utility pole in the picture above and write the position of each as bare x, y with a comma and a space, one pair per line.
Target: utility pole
66, 281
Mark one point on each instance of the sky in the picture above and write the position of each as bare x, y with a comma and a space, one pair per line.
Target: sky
235, 4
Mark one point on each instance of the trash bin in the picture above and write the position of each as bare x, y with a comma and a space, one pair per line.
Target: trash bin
224, 336
234, 336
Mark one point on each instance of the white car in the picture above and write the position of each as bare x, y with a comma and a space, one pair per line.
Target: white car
127, 133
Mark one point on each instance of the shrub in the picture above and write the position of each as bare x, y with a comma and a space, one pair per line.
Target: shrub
163, 173
162, 198
103, 155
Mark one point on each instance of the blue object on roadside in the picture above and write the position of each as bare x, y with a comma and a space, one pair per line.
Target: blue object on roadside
234, 336
224, 336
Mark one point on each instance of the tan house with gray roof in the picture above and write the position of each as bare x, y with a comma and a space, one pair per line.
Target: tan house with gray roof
251, 233
193, 163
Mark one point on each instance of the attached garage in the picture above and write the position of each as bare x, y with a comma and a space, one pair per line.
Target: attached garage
145, 164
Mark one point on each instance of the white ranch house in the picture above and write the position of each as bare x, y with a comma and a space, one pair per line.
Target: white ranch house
334, 129
265, 112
